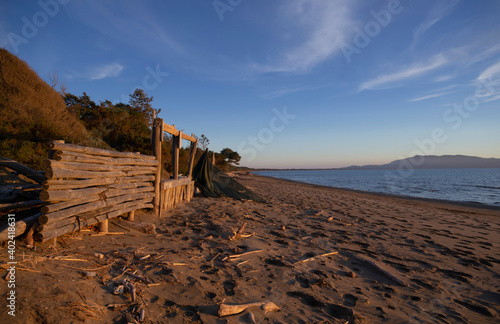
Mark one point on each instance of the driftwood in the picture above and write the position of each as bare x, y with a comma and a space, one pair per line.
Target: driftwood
66, 156
315, 257
138, 277
236, 256
60, 195
24, 170
20, 227
94, 167
239, 233
52, 172
90, 207
70, 203
95, 151
20, 205
226, 310
78, 184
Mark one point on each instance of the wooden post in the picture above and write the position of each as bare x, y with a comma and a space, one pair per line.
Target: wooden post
131, 216
213, 158
103, 226
157, 153
176, 145
192, 154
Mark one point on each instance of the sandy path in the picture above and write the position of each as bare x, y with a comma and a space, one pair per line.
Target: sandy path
440, 263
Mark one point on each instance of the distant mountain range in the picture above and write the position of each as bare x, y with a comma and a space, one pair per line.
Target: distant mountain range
433, 162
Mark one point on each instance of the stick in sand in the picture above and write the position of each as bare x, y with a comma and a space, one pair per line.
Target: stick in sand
235, 256
317, 256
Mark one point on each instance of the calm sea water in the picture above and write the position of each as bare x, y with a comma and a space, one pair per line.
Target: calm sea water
464, 185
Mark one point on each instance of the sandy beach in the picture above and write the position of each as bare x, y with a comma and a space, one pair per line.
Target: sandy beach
321, 255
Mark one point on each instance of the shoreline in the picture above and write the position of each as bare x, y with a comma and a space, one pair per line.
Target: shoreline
403, 197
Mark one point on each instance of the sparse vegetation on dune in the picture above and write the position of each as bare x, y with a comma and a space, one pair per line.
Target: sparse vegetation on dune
32, 113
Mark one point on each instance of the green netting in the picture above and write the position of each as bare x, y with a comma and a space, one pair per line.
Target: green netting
215, 183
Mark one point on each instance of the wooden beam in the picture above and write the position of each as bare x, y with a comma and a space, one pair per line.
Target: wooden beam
24, 170
192, 155
171, 130
94, 151
157, 153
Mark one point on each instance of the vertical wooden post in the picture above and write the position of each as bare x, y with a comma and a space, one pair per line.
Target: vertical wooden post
176, 145
192, 154
131, 216
103, 226
157, 153
213, 158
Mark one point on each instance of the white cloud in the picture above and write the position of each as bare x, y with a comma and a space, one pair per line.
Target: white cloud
388, 80
435, 95
327, 23
104, 71
490, 72
97, 72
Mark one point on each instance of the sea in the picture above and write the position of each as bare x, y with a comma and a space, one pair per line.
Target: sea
462, 185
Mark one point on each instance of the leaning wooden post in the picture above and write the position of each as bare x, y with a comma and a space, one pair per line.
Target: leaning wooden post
175, 155
192, 154
157, 153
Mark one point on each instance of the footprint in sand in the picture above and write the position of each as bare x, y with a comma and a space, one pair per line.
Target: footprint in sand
350, 300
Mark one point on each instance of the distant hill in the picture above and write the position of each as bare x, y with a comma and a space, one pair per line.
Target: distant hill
434, 162
31, 114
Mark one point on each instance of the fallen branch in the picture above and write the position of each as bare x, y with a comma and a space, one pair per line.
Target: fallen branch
138, 277
239, 233
235, 256
226, 310
317, 256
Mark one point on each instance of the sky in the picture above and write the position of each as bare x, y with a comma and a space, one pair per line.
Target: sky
286, 84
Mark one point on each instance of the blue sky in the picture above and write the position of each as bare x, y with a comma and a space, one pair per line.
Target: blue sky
288, 84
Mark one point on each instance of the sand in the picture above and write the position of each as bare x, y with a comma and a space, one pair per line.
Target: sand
321, 255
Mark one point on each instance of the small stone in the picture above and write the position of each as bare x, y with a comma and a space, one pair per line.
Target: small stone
99, 255
351, 274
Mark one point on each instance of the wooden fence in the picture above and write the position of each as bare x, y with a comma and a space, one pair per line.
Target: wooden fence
85, 186
177, 189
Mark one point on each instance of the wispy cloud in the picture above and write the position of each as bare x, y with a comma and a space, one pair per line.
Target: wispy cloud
417, 69
327, 22
97, 72
490, 77
435, 95
104, 71
490, 72
439, 12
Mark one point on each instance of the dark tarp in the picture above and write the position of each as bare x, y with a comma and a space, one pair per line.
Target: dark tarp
215, 183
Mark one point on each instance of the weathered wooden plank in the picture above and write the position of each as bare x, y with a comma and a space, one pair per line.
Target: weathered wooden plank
95, 151
58, 184
67, 156
94, 167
